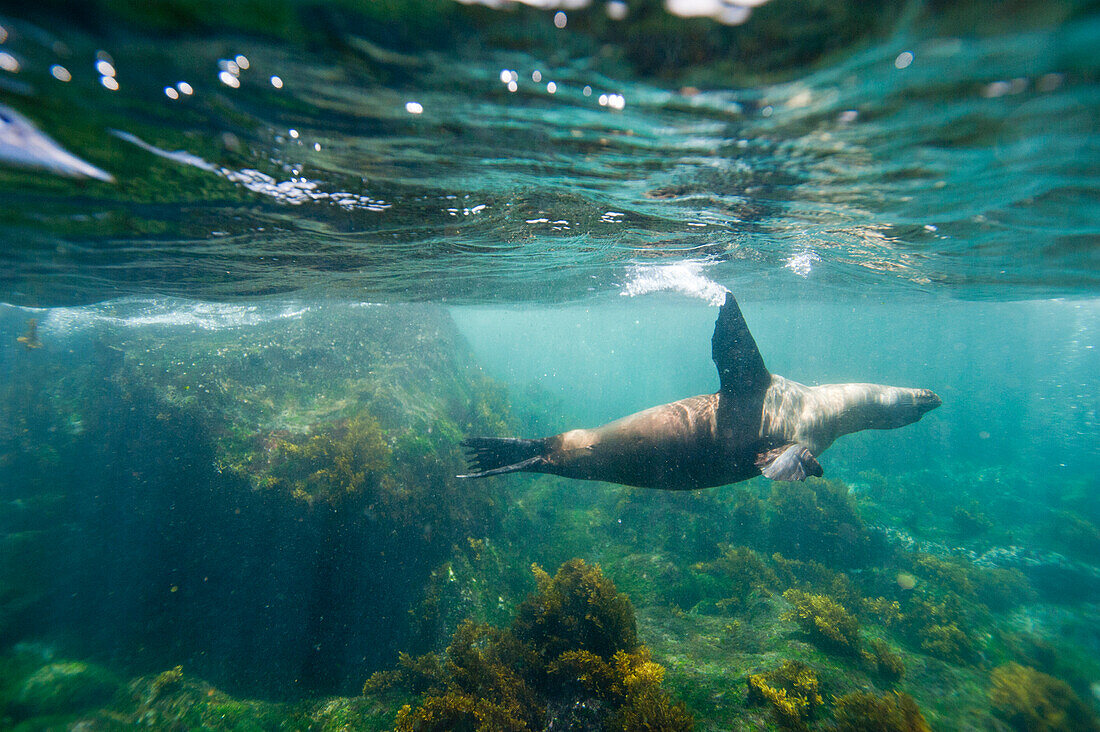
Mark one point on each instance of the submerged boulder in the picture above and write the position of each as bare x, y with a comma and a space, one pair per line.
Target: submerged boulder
64, 687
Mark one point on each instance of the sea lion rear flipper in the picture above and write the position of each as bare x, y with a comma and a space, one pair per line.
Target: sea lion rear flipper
789, 462
740, 367
498, 455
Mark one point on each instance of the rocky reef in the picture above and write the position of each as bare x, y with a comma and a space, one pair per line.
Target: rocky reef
191, 484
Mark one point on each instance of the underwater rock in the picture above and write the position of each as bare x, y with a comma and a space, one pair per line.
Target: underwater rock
1053, 574
64, 687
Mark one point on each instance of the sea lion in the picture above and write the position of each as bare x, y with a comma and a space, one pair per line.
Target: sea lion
757, 423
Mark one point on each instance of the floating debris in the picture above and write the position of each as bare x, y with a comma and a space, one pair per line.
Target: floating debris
30, 338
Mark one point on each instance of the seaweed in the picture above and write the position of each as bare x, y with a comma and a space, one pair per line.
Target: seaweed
863, 711
791, 691
1031, 701
578, 609
969, 521
884, 661
571, 655
1073, 533
826, 621
817, 520
934, 627
341, 459
742, 572
166, 681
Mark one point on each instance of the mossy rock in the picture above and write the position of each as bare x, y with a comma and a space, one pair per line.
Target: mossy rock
65, 687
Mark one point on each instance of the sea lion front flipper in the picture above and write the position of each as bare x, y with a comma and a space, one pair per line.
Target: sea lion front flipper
789, 462
740, 367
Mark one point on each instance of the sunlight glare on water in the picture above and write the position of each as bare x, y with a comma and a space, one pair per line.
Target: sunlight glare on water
920, 163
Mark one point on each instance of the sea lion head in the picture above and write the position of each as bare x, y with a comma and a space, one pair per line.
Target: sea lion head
888, 407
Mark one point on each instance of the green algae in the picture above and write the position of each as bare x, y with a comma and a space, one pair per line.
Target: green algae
64, 687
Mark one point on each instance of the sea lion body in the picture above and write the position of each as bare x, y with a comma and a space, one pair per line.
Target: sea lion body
670, 446
757, 423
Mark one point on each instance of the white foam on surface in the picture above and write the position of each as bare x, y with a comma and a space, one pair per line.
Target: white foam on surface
802, 263
166, 312
684, 277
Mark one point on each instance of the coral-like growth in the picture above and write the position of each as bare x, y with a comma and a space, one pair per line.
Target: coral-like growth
1032, 701
570, 660
825, 620
792, 692
863, 711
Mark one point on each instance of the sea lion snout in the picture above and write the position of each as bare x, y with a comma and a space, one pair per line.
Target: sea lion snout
926, 400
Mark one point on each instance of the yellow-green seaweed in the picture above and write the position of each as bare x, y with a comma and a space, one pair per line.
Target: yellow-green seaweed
1031, 701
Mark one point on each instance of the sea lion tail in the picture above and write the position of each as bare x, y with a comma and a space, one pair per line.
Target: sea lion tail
497, 455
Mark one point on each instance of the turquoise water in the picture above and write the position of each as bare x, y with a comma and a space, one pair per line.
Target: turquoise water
320, 246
